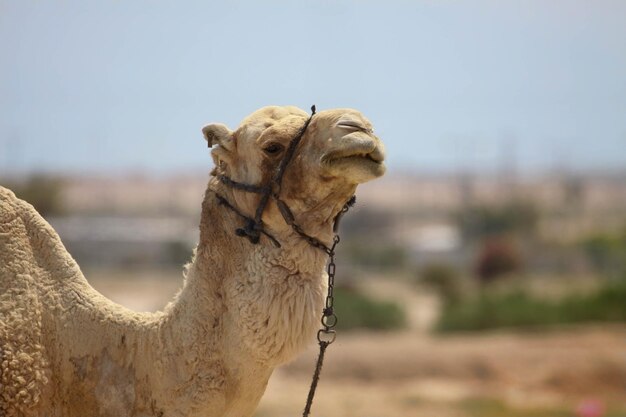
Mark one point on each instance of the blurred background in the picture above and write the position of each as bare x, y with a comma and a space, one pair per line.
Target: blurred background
485, 275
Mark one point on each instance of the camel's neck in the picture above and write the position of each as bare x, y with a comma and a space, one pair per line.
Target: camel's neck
253, 306
266, 301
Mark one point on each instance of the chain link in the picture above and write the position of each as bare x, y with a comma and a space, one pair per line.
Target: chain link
329, 318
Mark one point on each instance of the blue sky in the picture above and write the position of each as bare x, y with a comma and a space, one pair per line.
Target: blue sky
113, 86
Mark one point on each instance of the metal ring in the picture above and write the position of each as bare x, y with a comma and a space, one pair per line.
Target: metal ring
326, 336
330, 320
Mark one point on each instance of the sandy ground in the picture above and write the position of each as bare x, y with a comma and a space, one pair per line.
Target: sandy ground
408, 374
413, 373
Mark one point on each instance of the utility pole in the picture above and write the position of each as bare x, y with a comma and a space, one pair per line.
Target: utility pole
508, 169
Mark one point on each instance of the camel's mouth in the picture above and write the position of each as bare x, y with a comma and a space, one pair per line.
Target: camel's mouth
364, 159
375, 157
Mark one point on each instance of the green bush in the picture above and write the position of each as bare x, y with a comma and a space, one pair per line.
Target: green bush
607, 252
443, 279
482, 221
381, 257
492, 407
520, 309
355, 310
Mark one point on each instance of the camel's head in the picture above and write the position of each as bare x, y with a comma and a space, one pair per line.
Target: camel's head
337, 152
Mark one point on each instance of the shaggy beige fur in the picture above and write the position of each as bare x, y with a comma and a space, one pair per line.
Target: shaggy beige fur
65, 350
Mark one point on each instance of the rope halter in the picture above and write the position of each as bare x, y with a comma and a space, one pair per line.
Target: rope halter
253, 227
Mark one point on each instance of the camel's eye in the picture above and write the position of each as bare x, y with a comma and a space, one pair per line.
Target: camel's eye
274, 148
351, 125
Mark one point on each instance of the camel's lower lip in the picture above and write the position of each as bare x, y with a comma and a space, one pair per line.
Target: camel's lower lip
356, 155
362, 163
358, 158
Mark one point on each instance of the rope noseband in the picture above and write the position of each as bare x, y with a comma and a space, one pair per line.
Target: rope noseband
253, 227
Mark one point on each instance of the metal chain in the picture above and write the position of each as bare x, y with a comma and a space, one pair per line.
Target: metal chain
327, 334
329, 318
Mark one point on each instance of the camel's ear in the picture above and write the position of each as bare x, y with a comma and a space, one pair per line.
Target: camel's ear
217, 133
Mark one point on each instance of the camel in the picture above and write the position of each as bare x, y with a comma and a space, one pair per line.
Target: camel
246, 305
